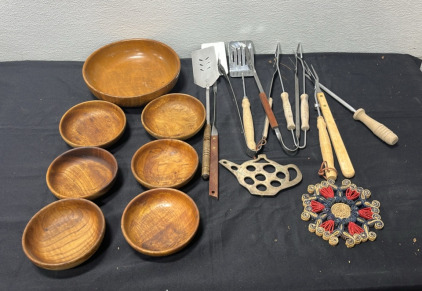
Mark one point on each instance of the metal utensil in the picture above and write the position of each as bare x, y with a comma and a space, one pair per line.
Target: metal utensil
205, 73
239, 68
304, 105
264, 99
213, 185
337, 142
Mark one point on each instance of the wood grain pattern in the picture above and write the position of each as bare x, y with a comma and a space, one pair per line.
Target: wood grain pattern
213, 184
86, 172
131, 72
64, 234
168, 163
160, 222
92, 123
176, 115
340, 149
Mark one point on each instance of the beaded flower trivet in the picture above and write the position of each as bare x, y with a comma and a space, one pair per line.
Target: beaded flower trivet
341, 211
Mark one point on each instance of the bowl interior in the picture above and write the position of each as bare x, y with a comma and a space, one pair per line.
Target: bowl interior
173, 116
92, 123
131, 68
64, 234
165, 163
160, 222
85, 172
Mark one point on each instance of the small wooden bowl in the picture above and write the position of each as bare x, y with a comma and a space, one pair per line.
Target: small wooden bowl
64, 234
176, 115
131, 72
86, 172
164, 163
160, 222
92, 123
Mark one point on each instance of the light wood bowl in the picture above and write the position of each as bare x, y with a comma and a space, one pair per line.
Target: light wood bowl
176, 115
164, 163
131, 72
92, 123
86, 172
64, 234
160, 222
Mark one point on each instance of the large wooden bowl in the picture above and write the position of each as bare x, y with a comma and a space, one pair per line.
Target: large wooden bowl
86, 172
64, 234
131, 72
164, 163
92, 123
175, 115
160, 222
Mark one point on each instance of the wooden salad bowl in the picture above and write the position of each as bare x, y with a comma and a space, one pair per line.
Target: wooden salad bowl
131, 72
164, 163
86, 172
92, 123
176, 115
64, 234
160, 221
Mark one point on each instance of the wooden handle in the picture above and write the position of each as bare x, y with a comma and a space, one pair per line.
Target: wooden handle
377, 128
213, 186
304, 112
267, 122
206, 153
248, 124
268, 110
326, 150
288, 111
338, 145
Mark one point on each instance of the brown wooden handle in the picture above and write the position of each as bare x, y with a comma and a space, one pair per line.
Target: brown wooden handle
326, 150
288, 111
379, 129
336, 140
206, 153
267, 122
213, 186
248, 124
304, 112
268, 110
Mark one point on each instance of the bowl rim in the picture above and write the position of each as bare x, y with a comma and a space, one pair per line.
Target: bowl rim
104, 144
95, 195
162, 252
151, 186
86, 63
183, 137
75, 261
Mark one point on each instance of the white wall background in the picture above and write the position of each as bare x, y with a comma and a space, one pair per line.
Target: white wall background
73, 29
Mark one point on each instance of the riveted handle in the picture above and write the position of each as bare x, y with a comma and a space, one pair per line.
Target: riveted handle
206, 153
268, 110
213, 186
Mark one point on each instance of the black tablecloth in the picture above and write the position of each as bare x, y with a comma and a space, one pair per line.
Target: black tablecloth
244, 242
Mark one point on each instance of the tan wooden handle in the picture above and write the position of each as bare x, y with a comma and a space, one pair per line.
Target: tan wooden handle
213, 184
267, 122
304, 112
206, 153
288, 111
326, 150
268, 110
336, 140
248, 124
379, 129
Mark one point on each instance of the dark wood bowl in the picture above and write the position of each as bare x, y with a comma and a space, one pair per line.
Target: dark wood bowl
92, 123
64, 234
176, 115
131, 72
164, 163
86, 172
160, 221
